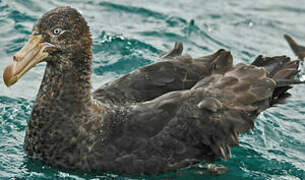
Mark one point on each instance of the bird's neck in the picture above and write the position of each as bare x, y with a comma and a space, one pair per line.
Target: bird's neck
67, 83
65, 92
62, 105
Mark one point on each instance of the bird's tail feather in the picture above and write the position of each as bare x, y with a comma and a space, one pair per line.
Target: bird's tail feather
293, 44
282, 70
296, 48
235, 98
176, 51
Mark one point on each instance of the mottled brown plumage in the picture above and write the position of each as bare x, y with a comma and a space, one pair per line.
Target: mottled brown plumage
161, 117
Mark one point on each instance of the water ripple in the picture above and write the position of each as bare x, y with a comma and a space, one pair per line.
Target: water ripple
170, 20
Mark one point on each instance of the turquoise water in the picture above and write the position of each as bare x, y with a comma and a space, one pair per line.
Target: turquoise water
131, 34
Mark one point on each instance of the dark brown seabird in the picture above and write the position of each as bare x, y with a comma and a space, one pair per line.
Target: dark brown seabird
161, 117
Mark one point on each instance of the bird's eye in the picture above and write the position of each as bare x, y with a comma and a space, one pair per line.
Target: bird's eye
57, 31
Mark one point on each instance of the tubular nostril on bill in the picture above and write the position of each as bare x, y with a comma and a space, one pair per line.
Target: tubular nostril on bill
15, 58
18, 56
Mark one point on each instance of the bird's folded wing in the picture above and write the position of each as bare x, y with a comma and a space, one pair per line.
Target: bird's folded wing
211, 115
172, 73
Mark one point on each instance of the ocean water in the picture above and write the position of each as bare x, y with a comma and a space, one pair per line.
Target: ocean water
131, 34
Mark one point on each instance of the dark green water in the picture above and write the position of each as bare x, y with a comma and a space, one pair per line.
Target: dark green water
131, 34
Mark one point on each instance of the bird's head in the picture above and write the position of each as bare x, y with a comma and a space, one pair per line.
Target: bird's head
57, 36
